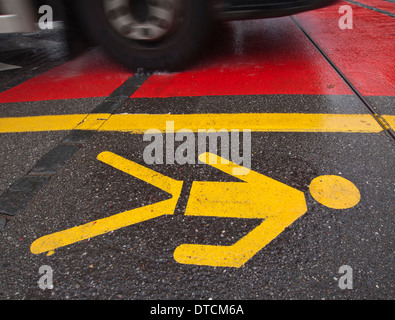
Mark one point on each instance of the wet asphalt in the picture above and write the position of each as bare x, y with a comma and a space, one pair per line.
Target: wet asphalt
136, 262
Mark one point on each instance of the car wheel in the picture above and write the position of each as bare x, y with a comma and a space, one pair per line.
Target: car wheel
150, 34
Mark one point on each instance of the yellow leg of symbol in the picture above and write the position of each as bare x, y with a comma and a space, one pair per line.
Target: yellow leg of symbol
102, 226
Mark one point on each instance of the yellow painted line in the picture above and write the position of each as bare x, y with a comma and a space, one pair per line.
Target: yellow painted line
93, 121
390, 120
40, 123
256, 122
53, 123
140, 123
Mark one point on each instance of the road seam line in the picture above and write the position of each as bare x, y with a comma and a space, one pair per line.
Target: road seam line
19, 194
389, 132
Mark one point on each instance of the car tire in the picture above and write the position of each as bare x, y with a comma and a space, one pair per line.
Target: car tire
186, 31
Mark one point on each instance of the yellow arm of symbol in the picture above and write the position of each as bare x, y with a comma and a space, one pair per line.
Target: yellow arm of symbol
124, 219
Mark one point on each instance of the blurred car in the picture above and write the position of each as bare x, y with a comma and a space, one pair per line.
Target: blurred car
149, 34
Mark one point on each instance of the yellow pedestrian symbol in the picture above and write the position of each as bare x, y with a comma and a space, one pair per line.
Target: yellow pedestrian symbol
255, 197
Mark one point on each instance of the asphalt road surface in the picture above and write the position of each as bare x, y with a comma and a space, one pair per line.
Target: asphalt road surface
105, 193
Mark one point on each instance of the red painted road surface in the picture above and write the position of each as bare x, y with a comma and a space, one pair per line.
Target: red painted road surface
271, 56
90, 75
380, 4
365, 54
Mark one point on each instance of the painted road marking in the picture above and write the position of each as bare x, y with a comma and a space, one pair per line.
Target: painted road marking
256, 122
270, 56
261, 57
90, 75
383, 7
41, 123
257, 197
371, 38
327, 190
63, 238
390, 121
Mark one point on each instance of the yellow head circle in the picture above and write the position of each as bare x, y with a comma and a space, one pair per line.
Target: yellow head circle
335, 192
